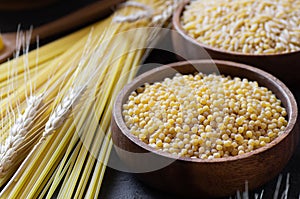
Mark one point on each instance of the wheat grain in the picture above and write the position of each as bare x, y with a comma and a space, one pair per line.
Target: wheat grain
144, 14
56, 119
62, 111
18, 132
54, 78
148, 13
167, 12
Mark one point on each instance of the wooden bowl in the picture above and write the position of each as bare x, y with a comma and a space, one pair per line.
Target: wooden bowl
284, 66
206, 178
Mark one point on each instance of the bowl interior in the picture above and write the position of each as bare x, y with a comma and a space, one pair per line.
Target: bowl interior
284, 65
209, 66
178, 27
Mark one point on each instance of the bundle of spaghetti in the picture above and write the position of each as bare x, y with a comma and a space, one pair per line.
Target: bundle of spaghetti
33, 84
72, 143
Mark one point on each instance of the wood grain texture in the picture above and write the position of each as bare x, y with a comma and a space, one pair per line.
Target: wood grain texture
207, 178
284, 66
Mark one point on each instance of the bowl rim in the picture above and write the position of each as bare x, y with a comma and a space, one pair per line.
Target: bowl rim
291, 102
178, 27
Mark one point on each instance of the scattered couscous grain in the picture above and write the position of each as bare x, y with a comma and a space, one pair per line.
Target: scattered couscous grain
204, 116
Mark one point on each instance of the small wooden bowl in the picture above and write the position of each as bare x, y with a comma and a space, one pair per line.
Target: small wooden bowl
284, 66
206, 178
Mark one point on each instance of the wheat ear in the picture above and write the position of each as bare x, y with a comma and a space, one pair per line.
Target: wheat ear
148, 13
144, 14
167, 12
62, 111
18, 133
56, 119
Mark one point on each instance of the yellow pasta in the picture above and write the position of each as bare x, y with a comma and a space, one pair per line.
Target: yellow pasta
88, 68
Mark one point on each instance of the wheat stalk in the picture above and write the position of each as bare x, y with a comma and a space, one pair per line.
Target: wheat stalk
18, 133
62, 111
21, 80
284, 195
25, 121
148, 13
56, 119
171, 6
